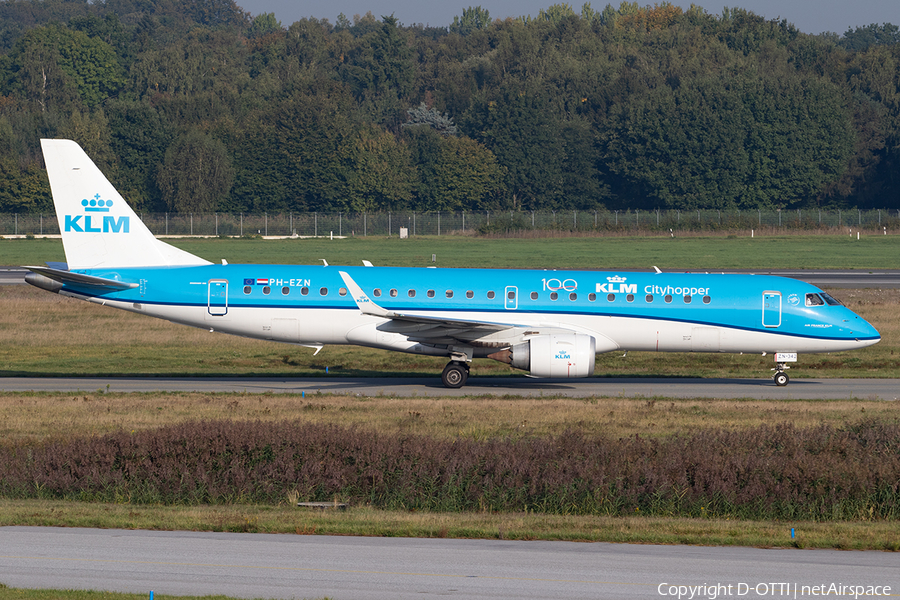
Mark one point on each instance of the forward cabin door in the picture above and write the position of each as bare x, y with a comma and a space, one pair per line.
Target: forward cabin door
512, 297
771, 309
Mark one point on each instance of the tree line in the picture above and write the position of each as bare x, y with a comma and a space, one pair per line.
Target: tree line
198, 106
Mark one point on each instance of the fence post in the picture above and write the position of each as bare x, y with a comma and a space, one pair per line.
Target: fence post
242, 224
315, 224
439, 223
340, 224
365, 224
192, 223
267, 224
217, 224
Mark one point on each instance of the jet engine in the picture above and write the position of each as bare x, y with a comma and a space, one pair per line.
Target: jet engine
554, 355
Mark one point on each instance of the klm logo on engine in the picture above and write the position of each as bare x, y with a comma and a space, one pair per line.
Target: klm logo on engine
95, 223
617, 285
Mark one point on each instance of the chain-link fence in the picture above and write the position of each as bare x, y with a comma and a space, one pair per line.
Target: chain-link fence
444, 223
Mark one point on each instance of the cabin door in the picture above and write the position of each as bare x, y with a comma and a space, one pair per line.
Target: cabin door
217, 299
771, 310
512, 297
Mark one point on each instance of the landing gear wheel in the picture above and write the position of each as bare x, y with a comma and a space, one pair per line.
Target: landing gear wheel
455, 375
781, 379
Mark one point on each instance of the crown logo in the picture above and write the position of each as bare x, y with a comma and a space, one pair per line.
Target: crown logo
616, 279
95, 204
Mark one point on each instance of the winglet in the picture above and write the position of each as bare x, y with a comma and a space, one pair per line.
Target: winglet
362, 300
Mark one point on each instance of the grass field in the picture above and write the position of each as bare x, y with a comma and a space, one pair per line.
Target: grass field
564, 252
41, 418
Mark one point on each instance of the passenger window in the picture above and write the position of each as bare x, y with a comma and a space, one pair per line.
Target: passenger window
630, 297
411, 293
687, 299
649, 298
534, 295
393, 293
323, 291
470, 294
304, 291
449, 293
430, 294
285, 291
247, 289
611, 297
592, 296
814, 300
342, 292
573, 296
266, 290
706, 299
668, 298
490, 295
554, 295
376, 292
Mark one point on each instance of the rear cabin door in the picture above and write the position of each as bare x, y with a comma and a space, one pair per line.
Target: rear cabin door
771, 309
218, 297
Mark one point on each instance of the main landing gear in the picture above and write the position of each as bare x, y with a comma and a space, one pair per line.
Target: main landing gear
455, 374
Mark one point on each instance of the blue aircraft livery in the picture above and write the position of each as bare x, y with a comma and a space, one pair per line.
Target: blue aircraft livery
551, 324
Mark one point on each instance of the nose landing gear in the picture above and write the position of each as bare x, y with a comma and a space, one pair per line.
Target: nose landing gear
781, 378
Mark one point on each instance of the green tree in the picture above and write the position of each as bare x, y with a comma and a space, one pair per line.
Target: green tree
862, 38
745, 142
382, 176
264, 24
473, 19
57, 57
422, 116
196, 174
138, 139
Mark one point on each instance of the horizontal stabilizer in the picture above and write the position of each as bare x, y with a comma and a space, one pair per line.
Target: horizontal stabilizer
79, 279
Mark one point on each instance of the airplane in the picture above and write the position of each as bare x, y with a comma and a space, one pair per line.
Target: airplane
549, 323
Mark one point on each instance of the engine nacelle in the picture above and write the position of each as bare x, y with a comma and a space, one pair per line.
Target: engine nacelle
555, 355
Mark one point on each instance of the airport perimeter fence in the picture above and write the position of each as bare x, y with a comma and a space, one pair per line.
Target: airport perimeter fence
445, 223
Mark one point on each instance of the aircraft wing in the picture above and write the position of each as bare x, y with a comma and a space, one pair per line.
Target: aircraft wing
423, 328
83, 280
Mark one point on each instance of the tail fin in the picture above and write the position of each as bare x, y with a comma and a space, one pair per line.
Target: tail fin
98, 227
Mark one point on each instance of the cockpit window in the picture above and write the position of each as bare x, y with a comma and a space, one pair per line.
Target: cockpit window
829, 300
814, 300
